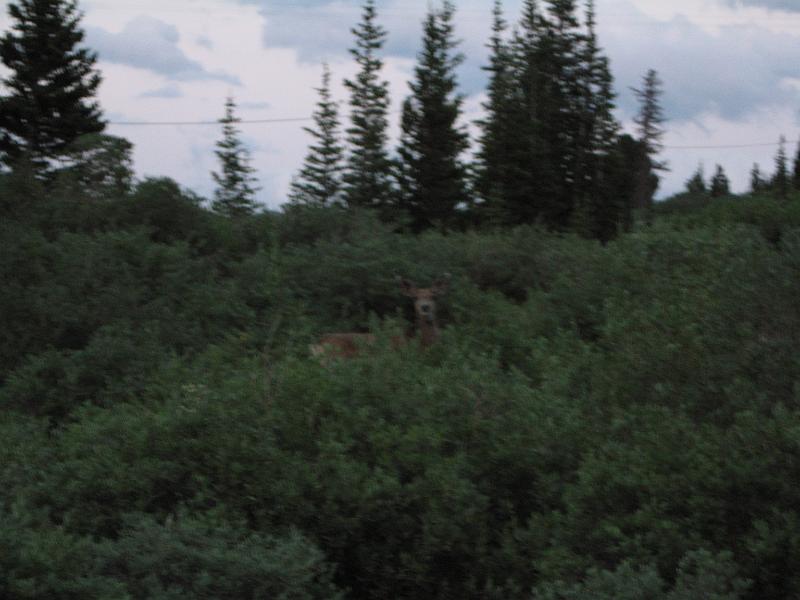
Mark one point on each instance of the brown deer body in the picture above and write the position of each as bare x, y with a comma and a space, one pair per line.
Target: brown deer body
349, 345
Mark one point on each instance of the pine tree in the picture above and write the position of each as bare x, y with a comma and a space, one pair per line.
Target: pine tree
620, 180
492, 155
757, 181
51, 86
780, 181
432, 142
651, 116
796, 169
596, 199
234, 196
562, 115
367, 175
649, 123
527, 181
319, 180
720, 185
696, 184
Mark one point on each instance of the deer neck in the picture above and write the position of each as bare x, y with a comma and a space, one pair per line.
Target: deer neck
428, 332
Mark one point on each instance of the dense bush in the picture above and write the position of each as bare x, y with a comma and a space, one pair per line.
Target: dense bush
615, 421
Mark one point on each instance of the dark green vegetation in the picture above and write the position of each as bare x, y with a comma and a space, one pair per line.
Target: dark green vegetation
614, 421
49, 94
607, 418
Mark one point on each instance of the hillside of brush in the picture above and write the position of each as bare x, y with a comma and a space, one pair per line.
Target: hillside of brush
595, 421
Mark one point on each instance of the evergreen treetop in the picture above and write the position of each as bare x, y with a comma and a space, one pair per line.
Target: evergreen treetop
51, 88
319, 180
650, 119
649, 123
780, 181
757, 181
235, 193
432, 141
696, 184
368, 170
491, 156
720, 185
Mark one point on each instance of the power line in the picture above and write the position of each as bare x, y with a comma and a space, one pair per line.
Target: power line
724, 146
217, 122
302, 119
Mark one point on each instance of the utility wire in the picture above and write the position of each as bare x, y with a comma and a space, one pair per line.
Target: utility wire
301, 119
217, 122
237, 122
723, 146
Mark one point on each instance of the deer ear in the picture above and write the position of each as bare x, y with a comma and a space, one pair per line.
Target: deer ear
441, 285
406, 287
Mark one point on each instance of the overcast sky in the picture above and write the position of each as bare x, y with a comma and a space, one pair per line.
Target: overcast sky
731, 71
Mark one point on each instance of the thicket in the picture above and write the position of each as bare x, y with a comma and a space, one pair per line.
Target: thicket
596, 422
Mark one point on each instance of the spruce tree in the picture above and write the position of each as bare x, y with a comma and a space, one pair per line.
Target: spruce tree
492, 156
50, 100
562, 117
595, 197
234, 196
319, 180
367, 175
432, 142
757, 181
780, 181
528, 180
649, 123
696, 184
720, 185
650, 119
796, 169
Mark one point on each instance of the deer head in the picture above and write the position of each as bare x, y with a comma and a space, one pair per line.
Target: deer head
425, 305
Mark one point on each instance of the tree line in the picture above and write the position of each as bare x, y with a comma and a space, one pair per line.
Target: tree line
550, 150
780, 184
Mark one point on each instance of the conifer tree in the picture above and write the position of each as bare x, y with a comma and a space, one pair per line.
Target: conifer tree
796, 169
234, 196
780, 181
367, 175
51, 87
562, 116
649, 123
757, 181
319, 180
720, 185
527, 181
696, 184
492, 158
596, 198
432, 142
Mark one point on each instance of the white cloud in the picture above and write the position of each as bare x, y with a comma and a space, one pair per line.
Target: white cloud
150, 44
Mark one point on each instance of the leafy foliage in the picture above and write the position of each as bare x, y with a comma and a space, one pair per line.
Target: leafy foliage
617, 419
597, 420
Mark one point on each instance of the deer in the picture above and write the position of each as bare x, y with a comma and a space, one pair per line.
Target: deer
351, 345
